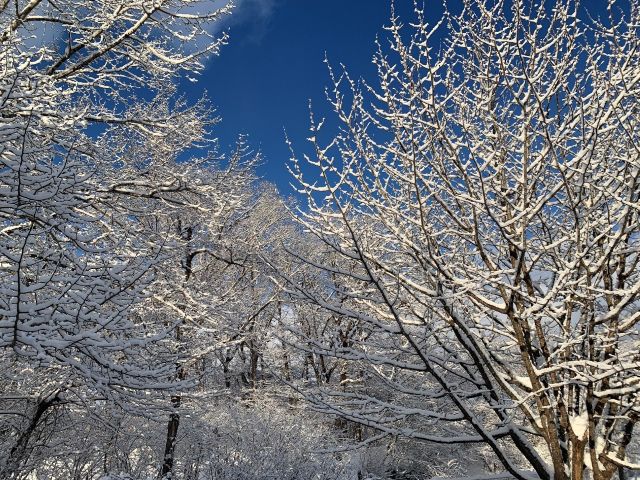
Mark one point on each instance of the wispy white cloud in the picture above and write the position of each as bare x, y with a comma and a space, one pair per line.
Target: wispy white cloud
254, 14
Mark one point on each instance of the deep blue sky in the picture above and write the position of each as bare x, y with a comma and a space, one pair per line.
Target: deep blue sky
262, 81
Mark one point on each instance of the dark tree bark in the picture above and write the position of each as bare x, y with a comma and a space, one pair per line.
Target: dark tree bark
19, 453
166, 471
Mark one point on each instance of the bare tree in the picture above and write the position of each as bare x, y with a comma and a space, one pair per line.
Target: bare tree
191, 290
90, 134
483, 200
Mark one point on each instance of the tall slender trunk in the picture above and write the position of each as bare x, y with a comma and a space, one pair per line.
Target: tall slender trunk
168, 461
286, 368
226, 360
253, 368
19, 453
166, 471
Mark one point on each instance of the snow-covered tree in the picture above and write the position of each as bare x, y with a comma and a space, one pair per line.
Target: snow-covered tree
91, 136
483, 201
193, 288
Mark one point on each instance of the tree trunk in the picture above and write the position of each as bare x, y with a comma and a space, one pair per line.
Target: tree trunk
19, 453
253, 369
166, 472
172, 433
